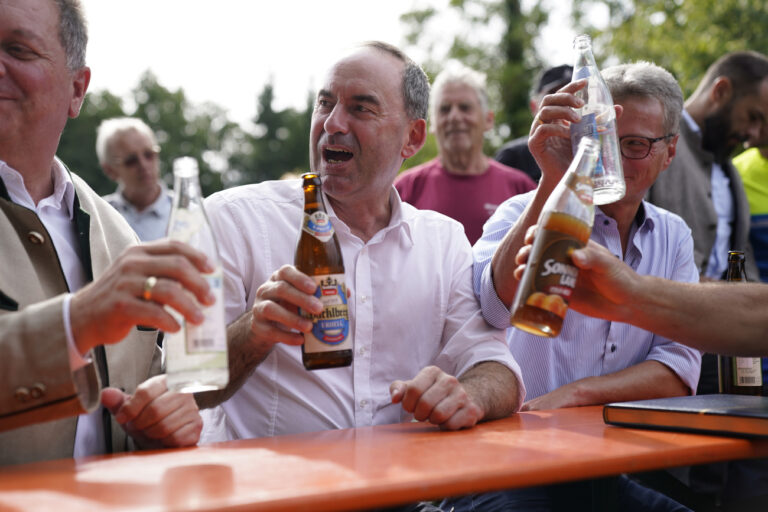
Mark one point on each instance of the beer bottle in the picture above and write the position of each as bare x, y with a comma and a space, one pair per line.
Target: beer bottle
196, 355
739, 375
598, 120
318, 254
565, 224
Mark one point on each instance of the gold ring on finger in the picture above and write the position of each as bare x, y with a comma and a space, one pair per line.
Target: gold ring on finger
148, 285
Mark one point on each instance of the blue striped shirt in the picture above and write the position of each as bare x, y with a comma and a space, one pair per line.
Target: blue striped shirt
661, 245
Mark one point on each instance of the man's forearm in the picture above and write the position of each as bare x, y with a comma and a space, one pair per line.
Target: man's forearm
713, 317
494, 388
649, 379
244, 357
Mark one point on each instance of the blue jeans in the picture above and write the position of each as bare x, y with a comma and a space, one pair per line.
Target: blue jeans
572, 497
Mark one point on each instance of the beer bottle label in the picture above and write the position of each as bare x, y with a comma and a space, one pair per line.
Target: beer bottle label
330, 329
318, 224
555, 276
748, 371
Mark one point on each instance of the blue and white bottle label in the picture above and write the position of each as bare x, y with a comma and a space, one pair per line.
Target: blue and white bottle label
330, 329
318, 225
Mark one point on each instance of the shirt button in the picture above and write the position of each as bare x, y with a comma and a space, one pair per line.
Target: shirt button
35, 237
613, 348
606, 222
363, 403
363, 298
361, 351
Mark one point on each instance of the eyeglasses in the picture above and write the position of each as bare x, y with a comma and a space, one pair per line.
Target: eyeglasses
133, 160
635, 147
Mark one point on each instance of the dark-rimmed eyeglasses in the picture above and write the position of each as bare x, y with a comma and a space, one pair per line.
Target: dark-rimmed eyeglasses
133, 159
635, 147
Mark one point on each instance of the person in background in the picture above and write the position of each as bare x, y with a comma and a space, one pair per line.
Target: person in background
128, 153
461, 182
74, 277
729, 107
593, 361
515, 153
752, 165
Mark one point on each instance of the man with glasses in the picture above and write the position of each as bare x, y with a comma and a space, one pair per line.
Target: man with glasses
128, 153
594, 361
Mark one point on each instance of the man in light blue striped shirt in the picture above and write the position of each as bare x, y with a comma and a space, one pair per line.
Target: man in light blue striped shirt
594, 361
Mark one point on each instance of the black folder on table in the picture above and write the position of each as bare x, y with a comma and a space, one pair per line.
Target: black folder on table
735, 415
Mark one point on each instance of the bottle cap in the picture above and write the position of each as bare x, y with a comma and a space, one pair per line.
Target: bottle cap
185, 167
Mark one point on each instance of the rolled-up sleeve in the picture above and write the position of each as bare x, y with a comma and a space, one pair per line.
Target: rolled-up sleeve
494, 310
467, 338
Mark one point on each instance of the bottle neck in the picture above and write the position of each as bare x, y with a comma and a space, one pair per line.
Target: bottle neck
186, 190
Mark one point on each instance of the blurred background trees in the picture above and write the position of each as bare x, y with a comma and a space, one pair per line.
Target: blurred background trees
498, 37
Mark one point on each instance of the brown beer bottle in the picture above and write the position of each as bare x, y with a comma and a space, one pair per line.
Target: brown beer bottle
739, 375
318, 254
565, 224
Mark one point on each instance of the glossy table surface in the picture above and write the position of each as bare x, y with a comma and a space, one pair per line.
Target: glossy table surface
364, 467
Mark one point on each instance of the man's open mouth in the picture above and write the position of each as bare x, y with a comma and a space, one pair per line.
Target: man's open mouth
333, 156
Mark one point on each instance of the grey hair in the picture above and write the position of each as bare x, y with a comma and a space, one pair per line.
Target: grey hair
73, 32
457, 73
648, 80
415, 82
111, 128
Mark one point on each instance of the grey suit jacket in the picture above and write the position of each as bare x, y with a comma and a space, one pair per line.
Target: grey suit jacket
39, 395
685, 188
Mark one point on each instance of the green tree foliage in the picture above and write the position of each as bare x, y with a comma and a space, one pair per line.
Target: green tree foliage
504, 52
77, 147
182, 129
280, 145
684, 37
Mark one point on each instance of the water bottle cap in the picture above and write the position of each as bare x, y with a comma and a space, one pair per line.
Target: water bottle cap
185, 167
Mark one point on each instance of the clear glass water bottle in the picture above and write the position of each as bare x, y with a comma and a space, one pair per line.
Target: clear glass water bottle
196, 355
598, 120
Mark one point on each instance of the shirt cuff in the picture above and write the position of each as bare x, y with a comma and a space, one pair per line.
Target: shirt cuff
494, 310
76, 360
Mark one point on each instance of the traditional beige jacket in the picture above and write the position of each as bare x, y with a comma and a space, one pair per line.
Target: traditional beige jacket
39, 395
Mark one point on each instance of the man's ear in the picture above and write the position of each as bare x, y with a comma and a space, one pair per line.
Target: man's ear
80, 80
720, 92
417, 136
490, 117
671, 150
109, 171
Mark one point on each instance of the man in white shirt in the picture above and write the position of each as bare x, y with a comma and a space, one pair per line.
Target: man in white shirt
73, 278
421, 347
129, 154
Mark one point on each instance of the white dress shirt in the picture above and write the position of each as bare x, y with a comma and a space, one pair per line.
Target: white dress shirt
56, 213
411, 306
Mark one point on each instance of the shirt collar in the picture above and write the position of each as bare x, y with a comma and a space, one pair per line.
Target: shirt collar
159, 207
63, 187
401, 217
691, 123
641, 217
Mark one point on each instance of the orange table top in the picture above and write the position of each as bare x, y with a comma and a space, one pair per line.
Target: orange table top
362, 467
